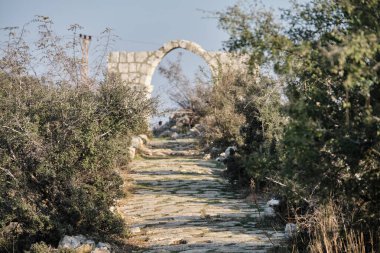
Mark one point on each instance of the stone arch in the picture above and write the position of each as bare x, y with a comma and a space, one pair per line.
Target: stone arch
159, 54
137, 68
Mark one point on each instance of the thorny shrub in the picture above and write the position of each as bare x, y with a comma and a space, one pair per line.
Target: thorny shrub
58, 145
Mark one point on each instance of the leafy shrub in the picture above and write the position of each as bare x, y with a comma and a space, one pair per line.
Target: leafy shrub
58, 152
328, 53
222, 121
244, 110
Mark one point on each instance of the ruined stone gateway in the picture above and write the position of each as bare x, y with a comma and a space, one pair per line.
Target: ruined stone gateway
137, 68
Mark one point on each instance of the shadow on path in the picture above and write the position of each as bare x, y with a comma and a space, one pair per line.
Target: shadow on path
182, 204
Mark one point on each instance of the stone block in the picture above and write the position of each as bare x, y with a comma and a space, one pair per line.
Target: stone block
123, 56
141, 56
175, 43
112, 67
204, 56
207, 57
113, 57
154, 66
142, 79
132, 67
123, 67
159, 54
143, 69
183, 44
130, 57
153, 61
167, 47
148, 80
125, 77
195, 48
133, 77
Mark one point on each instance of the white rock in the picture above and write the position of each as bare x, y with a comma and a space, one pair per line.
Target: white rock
269, 211
230, 150
90, 242
135, 230
195, 132
137, 142
174, 128
103, 245
144, 138
207, 157
220, 159
131, 152
174, 136
273, 202
71, 242
290, 230
166, 133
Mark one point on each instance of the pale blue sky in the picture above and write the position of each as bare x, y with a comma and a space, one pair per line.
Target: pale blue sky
151, 21
142, 25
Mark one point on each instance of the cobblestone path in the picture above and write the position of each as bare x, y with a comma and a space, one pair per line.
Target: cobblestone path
182, 204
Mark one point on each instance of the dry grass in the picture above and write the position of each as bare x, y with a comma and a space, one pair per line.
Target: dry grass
330, 235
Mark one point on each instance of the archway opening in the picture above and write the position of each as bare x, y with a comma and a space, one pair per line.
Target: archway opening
177, 76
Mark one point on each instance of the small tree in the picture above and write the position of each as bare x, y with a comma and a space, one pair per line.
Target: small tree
186, 94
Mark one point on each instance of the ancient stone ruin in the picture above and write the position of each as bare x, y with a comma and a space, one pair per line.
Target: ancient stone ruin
137, 68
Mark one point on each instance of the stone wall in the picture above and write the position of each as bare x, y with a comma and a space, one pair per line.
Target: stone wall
137, 68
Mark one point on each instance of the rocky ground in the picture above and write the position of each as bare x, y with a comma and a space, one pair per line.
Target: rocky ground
181, 203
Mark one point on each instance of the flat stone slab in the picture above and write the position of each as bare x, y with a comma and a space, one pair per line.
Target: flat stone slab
181, 205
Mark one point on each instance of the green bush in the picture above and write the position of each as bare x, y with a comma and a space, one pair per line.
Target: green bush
328, 53
57, 158
244, 110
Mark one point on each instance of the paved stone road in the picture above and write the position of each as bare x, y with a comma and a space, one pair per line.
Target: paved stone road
182, 204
